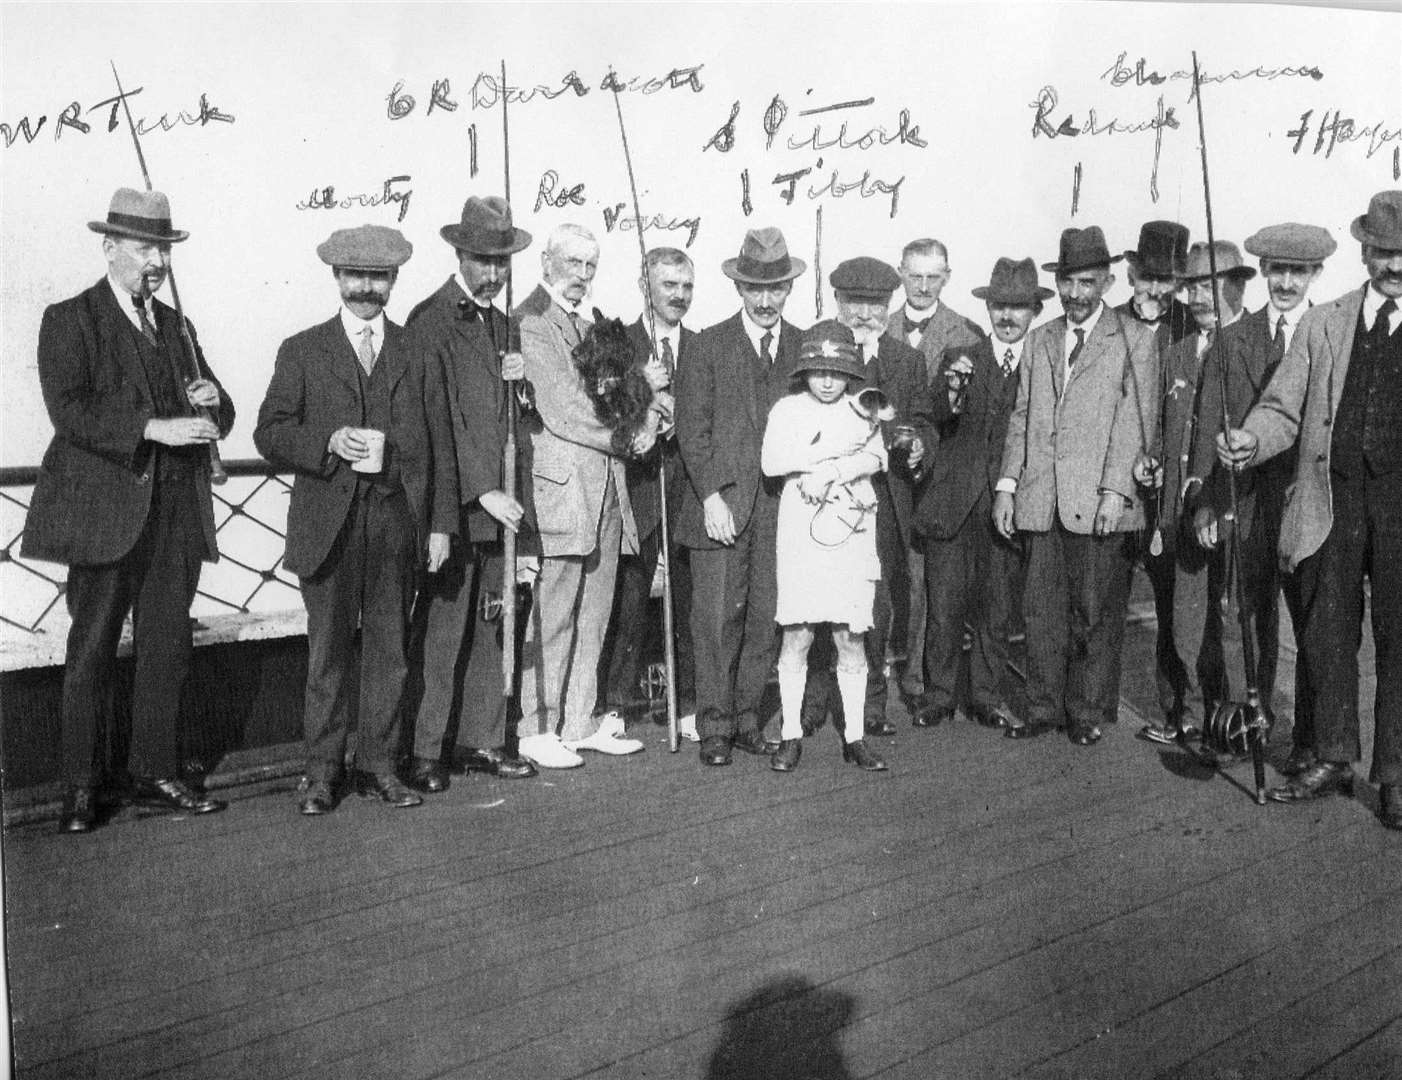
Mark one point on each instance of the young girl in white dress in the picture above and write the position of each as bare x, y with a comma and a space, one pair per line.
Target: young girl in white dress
819, 439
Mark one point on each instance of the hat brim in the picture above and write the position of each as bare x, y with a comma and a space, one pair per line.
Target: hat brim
985, 292
172, 237
1359, 231
730, 268
462, 240
819, 364
1241, 273
1149, 266
1058, 268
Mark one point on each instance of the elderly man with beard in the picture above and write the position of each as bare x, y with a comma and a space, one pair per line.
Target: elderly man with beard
1188, 577
1154, 268
1339, 391
863, 288
349, 412
123, 500
1250, 350
972, 574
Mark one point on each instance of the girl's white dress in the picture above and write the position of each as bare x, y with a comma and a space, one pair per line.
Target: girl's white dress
827, 564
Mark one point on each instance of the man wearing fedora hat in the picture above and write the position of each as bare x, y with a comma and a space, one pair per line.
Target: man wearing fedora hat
1066, 482
352, 414
972, 574
1339, 392
739, 368
1246, 355
1187, 578
1154, 268
122, 498
466, 340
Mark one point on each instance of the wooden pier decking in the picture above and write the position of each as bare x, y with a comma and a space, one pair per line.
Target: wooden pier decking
987, 908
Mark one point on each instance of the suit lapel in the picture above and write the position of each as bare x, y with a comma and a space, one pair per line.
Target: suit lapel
340, 356
393, 355
117, 327
1339, 329
1100, 343
1056, 355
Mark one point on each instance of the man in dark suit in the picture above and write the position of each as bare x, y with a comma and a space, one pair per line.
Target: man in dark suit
1079, 422
666, 288
348, 411
457, 332
973, 575
736, 372
863, 289
1339, 391
1250, 350
927, 324
123, 500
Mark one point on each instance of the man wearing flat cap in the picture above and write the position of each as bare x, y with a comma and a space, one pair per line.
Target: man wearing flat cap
349, 412
738, 369
863, 288
1250, 350
973, 575
1080, 419
1154, 269
1187, 577
467, 342
123, 500
1338, 391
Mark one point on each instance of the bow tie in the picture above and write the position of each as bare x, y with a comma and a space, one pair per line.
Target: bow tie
912, 325
468, 309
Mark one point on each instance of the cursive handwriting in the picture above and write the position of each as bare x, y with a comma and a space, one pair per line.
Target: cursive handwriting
1341, 129
549, 193
487, 90
326, 199
71, 118
816, 138
1140, 74
614, 218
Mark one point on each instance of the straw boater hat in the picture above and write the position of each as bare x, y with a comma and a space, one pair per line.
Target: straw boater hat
1081, 249
141, 215
1162, 250
1229, 263
763, 260
485, 228
1013, 283
366, 247
830, 346
1290, 242
1381, 226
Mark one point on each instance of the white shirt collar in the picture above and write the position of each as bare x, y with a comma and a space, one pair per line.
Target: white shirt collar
457, 276
1088, 326
128, 308
920, 316
1372, 301
1000, 349
756, 332
671, 335
353, 324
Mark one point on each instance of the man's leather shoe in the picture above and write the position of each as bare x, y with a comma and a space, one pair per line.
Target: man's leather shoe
785, 757
1300, 759
315, 798
497, 762
1168, 733
715, 750
1030, 729
1390, 805
79, 813
752, 742
387, 788
996, 716
860, 755
882, 728
428, 776
1084, 734
1321, 778
172, 795
932, 716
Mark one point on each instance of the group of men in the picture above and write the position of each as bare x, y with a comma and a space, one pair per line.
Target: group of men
1031, 468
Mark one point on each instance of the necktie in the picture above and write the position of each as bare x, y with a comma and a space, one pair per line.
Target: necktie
764, 354
1277, 344
148, 328
366, 352
467, 309
1204, 342
1076, 351
913, 326
1380, 324
668, 360
1008, 363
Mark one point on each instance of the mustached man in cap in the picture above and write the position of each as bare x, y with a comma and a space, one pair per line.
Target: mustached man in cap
467, 342
863, 288
1066, 484
973, 575
348, 412
1154, 269
739, 368
123, 500
1187, 578
1250, 350
1339, 392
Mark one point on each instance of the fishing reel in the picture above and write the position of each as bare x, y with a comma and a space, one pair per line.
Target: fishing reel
1234, 726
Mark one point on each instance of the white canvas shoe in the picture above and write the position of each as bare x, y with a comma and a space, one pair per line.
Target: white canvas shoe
686, 727
606, 742
549, 752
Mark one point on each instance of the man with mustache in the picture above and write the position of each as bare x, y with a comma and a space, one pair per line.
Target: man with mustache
122, 499
1339, 391
927, 324
972, 574
1066, 482
1154, 268
863, 289
1250, 350
729, 515
666, 288
1187, 577
459, 333
360, 523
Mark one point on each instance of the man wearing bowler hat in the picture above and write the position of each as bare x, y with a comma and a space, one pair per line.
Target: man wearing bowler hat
1187, 577
348, 411
738, 369
1339, 392
123, 500
1154, 269
1250, 351
467, 342
972, 574
1066, 483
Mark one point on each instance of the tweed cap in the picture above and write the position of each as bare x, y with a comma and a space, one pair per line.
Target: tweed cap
830, 346
864, 278
141, 215
366, 247
1291, 242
